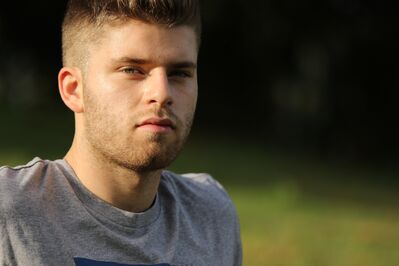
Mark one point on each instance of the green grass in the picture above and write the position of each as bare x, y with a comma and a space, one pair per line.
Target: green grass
294, 210
282, 227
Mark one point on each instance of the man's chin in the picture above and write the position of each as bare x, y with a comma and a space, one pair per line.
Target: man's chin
151, 138
148, 165
155, 157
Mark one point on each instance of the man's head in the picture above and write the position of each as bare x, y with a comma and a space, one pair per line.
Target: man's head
84, 21
130, 77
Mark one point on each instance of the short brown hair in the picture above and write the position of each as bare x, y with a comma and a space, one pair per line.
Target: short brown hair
82, 16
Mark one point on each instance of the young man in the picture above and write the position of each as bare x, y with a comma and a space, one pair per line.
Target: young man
130, 78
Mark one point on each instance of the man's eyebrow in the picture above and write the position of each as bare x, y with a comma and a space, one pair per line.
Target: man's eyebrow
140, 61
131, 60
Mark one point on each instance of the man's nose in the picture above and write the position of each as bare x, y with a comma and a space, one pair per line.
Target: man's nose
158, 89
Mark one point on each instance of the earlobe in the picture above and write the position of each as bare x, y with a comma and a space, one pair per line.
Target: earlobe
70, 87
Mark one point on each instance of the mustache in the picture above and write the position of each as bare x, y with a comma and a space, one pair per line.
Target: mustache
162, 113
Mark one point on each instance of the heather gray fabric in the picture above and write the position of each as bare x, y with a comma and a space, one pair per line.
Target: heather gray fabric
47, 217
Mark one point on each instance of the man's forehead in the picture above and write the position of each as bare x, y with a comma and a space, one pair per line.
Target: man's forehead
134, 27
147, 41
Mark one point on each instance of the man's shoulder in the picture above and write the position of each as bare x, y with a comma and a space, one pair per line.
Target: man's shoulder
198, 189
19, 184
204, 203
18, 173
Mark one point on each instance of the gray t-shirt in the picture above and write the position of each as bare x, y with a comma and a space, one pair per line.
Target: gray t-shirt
47, 217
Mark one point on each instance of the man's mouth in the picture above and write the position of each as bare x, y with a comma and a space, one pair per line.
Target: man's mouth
157, 124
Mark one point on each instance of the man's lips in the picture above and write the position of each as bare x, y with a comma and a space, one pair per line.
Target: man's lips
156, 122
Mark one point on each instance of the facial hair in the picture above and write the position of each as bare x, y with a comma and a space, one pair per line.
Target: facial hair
114, 139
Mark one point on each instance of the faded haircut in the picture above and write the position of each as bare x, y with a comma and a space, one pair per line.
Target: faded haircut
84, 20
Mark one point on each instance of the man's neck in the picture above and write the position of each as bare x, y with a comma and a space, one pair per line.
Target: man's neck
117, 185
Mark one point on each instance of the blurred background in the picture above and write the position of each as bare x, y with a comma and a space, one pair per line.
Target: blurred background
296, 117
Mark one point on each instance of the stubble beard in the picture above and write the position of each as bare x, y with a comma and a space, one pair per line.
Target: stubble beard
122, 146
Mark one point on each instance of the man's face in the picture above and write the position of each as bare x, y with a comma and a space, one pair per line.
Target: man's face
140, 92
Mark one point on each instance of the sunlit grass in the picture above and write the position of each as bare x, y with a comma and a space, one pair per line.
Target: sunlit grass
285, 230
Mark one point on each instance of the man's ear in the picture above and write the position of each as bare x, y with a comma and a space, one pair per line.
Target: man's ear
70, 87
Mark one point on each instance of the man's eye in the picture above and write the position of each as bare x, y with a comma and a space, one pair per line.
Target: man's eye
132, 71
181, 74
